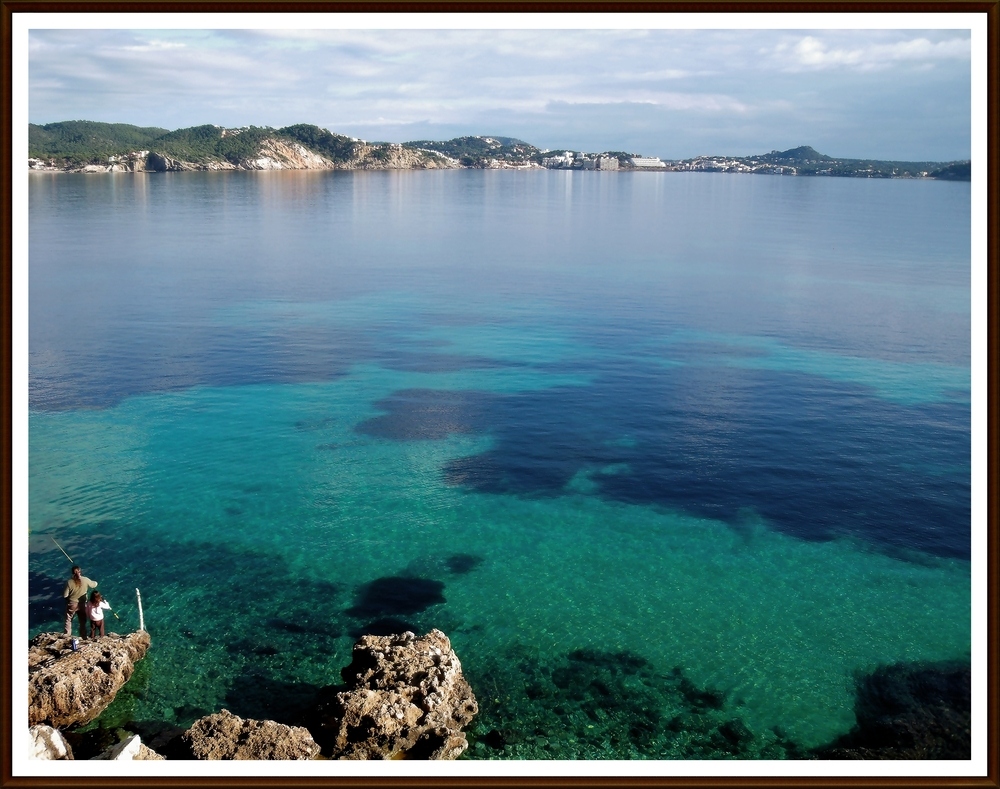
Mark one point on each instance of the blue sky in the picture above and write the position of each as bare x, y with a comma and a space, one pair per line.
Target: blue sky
891, 94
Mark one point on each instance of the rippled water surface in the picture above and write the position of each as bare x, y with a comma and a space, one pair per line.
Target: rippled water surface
671, 458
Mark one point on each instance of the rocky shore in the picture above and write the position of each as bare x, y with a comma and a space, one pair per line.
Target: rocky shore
403, 697
272, 154
406, 697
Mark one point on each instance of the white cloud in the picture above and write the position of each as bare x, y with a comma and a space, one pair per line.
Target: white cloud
669, 73
522, 83
695, 102
154, 46
810, 53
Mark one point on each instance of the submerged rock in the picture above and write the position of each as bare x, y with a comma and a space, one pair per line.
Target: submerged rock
909, 711
406, 698
227, 736
67, 688
48, 743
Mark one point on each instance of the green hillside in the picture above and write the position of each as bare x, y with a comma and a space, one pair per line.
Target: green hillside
805, 160
804, 154
335, 147
477, 151
88, 141
809, 162
200, 143
958, 171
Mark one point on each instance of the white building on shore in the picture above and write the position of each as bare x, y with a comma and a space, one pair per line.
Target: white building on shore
646, 162
562, 160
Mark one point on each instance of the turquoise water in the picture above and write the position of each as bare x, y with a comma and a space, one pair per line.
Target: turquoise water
651, 471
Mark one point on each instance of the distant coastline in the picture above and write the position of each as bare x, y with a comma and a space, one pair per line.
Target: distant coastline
95, 147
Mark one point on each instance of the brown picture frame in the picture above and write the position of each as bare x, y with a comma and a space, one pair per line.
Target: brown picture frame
547, 774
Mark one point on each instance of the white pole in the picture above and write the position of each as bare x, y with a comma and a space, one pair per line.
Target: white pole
138, 599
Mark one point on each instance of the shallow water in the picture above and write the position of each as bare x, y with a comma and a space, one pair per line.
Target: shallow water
658, 452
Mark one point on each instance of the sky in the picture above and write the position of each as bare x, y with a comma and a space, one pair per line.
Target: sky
878, 94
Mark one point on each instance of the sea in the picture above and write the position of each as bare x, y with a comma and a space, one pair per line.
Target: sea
675, 460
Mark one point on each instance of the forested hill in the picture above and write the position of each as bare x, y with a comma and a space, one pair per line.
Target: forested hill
90, 142
805, 160
84, 140
473, 151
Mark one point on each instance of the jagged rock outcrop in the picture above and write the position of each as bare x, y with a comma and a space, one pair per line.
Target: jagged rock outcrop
129, 750
273, 154
406, 699
47, 743
396, 157
162, 164
227, 736
67, 688
278, 155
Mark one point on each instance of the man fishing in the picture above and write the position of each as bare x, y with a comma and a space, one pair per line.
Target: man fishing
75, 591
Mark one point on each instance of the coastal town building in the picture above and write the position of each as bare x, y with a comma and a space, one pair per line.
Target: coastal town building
646, 162
565, 159
581, 162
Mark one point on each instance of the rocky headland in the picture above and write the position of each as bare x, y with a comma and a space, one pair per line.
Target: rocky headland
267, 154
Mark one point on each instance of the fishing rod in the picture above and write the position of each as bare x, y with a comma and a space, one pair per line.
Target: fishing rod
63, 552
72, 562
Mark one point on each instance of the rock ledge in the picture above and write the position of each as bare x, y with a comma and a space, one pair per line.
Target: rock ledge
67, 688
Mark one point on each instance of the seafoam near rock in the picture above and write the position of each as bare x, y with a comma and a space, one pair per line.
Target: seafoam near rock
227, 736
129, 750
67, 688
407, 699
48, 743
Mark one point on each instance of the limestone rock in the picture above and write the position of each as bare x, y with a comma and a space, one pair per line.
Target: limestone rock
390, 156
278, 155
272, 154
67, 688
407, 699
48, 743
162, 164
227, 736
128, 750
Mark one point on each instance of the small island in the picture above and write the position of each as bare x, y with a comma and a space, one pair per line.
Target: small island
94, 147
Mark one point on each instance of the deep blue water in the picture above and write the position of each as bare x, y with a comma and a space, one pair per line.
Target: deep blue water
698, 434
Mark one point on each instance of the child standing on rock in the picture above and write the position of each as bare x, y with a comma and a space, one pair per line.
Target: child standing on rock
95, 613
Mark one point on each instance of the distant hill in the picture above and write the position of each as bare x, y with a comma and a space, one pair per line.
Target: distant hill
476, 151
86, 139
959, 171
806, 160
802, 154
